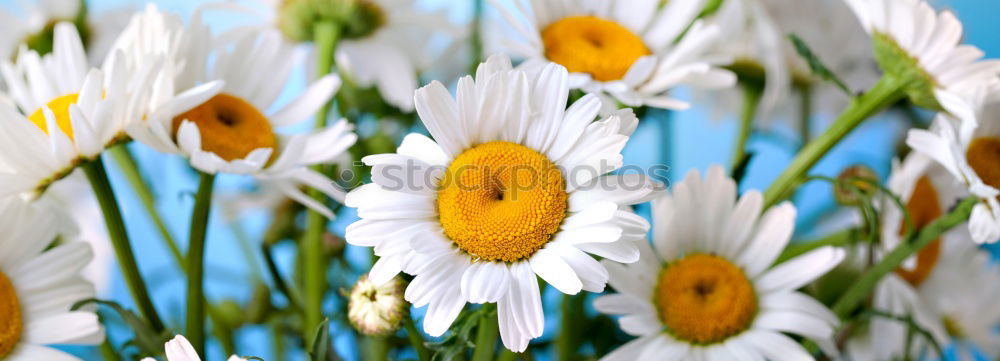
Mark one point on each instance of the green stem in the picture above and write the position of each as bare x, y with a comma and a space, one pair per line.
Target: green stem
98, 177
507, 355
196, 263
805, 113
416, 340
130, 169
914, 243
751, 101
477, 35
278, 339
108, 352
568, 340
247, 249
486, 335
887, 91
325, 35
838, 239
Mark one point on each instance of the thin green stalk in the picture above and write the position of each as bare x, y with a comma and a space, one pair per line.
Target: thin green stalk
247, 249
476, 38
507, 355
130, 169
98, 177
108, 352
325, 35
278, 339
196, 263
860, 290
416, 340
486, 335
568, 339
805, 113
377, 348
279, 281
887, 91
751, 101
838, 239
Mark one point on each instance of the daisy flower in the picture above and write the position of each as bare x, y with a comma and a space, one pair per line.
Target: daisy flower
965, 142
33, 23
709, 289
512, 187
384, 44
179, 349
912, 41
377, 310
39, 285
226, 122
632, 51
67, 112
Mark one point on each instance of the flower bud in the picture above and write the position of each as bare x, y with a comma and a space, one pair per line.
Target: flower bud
853, 179
354, 18
377, 310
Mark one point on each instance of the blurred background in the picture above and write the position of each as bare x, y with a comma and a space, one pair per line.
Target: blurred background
692, 139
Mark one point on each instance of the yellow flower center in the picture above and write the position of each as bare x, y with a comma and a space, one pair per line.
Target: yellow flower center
10, 317
60, 108
705, 299
501, 201
587, 44
984, 157
924, 208
230, 127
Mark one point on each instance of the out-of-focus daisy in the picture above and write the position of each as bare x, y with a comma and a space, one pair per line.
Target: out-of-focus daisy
67, 112
39, 285
33, 24
709, 289
179, 349
227, 122
966, 142
927, 191
634, 51
512, 187
913, 42
383, 43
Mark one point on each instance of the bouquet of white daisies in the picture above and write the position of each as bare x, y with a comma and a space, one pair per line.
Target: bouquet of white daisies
405, 181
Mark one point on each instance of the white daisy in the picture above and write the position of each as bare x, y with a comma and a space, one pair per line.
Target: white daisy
68, 112
914, 42
480, 211
634, 51
227, 122
179, 349
39, 285
33, 23
709, 290
966, 142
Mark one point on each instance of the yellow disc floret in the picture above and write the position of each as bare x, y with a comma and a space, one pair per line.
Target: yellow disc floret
705, 299
501, 201
60, 108
230, 127
924, 208
587, 44
11, 324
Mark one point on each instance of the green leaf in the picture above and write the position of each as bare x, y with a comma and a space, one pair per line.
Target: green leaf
816, 65
322, 349
148, 341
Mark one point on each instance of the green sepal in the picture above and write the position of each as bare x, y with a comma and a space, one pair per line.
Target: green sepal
898, 63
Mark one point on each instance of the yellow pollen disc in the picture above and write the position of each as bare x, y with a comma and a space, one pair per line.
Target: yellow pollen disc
587, 44
984, 157
10, 317
924, 208
230, 127
59, 107
705, 299
501, 201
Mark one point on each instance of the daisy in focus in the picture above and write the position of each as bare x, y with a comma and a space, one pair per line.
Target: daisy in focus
506, 191
630, 51
385, 43
227, 121
39, 285
179, 349
66, 112
916, 44
708, 289
965, 141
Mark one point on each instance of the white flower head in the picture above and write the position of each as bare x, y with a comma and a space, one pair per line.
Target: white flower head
514, 186
914, 42
226, 122
632, 51
39, 285
377, 309
33, 20
708, 289
180, 349
66, 112
966, 142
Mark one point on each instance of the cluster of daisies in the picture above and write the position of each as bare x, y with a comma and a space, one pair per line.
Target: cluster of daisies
480, 194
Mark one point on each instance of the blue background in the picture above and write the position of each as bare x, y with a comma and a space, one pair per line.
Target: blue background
696, 141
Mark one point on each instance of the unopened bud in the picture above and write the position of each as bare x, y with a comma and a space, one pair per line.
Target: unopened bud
377, 310
854, 179
355, 18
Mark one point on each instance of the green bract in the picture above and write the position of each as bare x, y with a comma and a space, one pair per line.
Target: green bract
354, 18
898, 63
